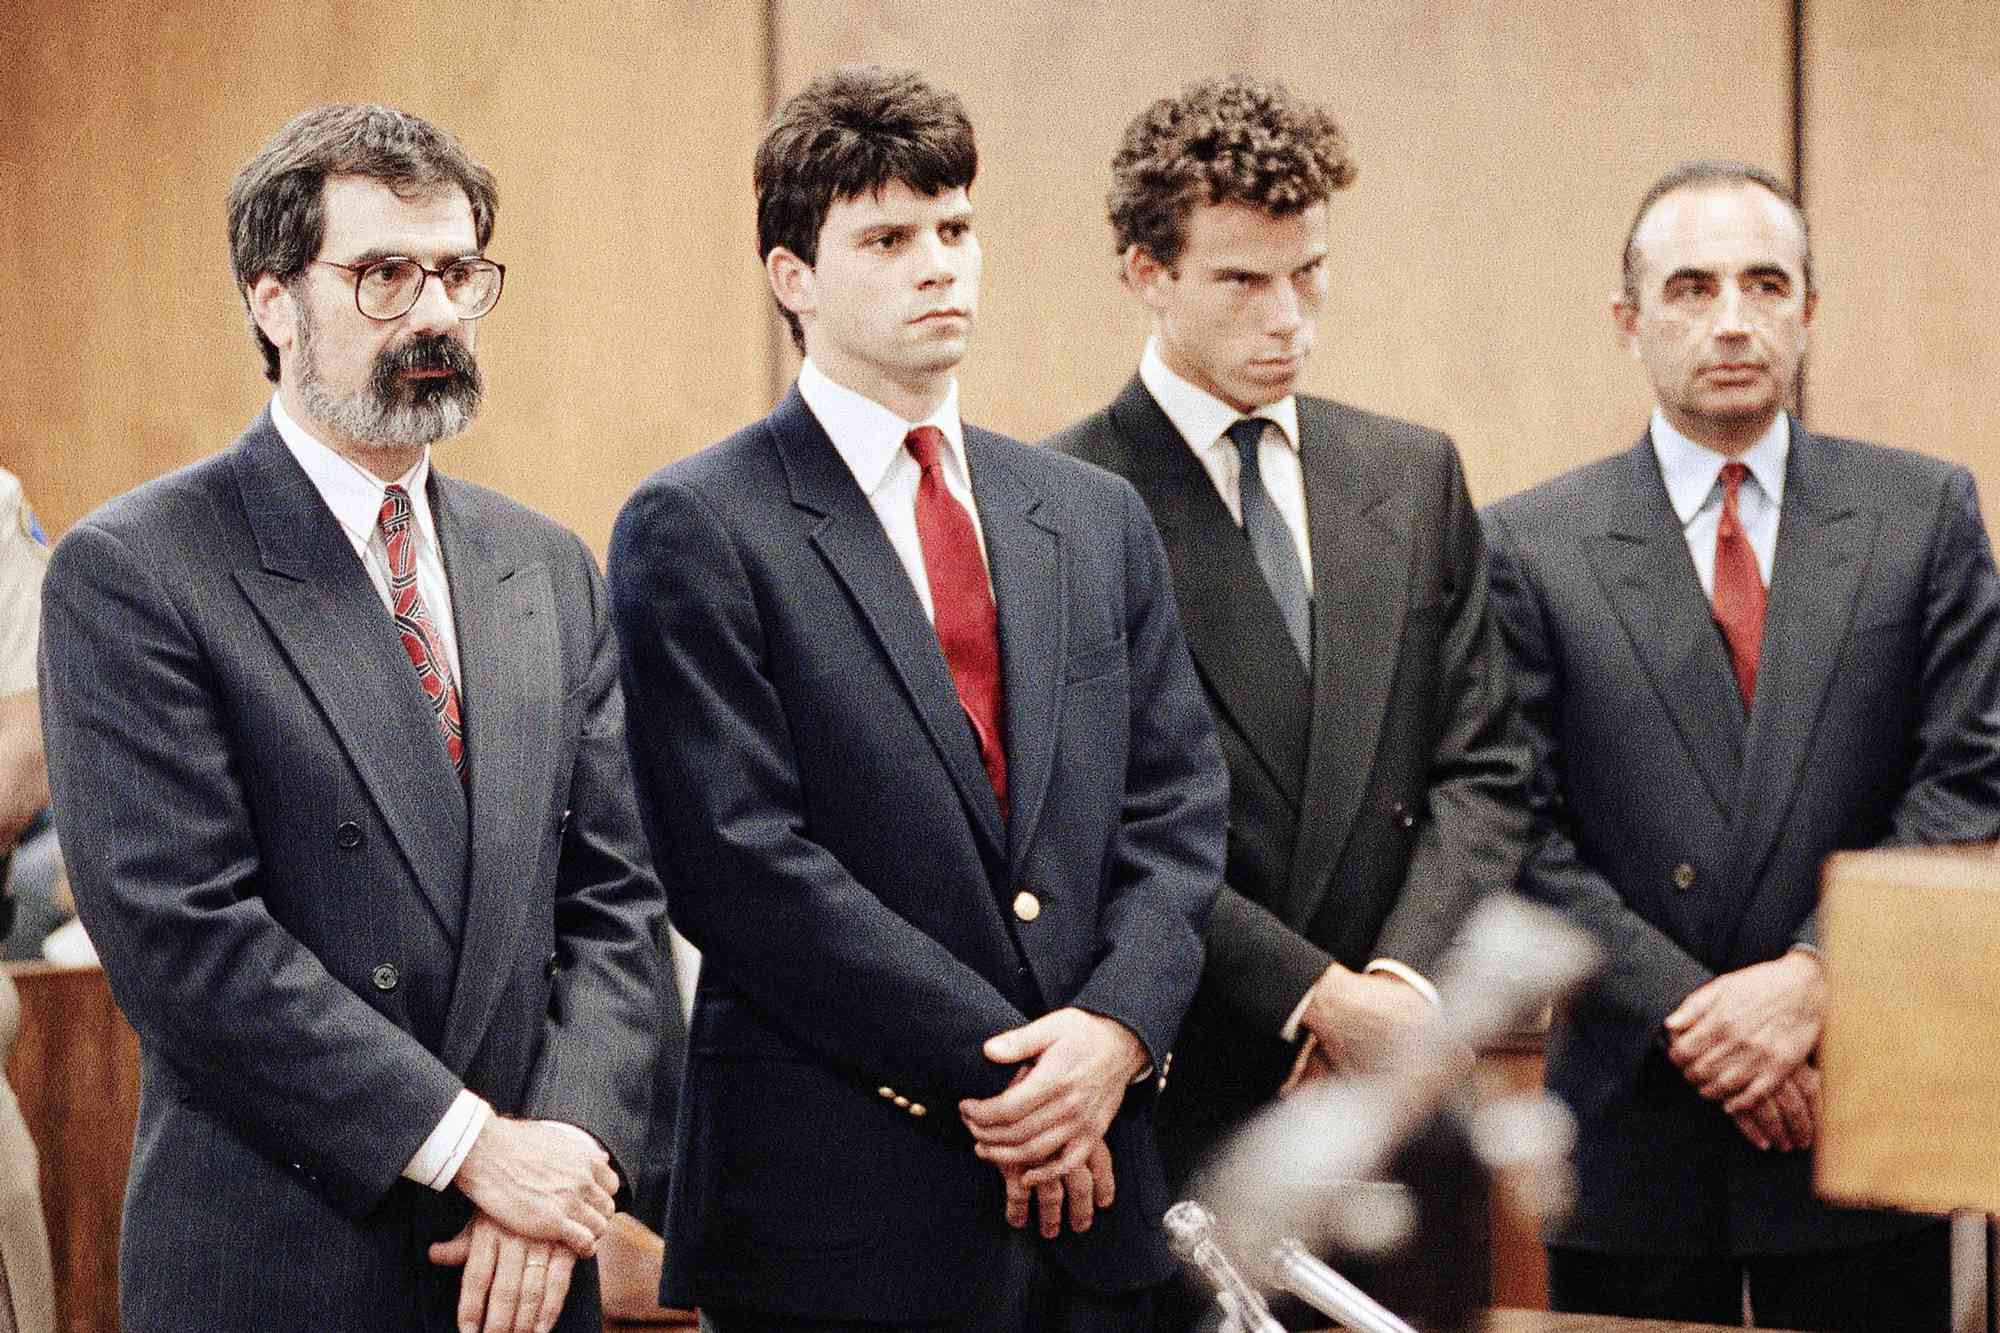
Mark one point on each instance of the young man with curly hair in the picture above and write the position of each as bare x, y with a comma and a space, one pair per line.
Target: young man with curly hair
916, 731
1332, 583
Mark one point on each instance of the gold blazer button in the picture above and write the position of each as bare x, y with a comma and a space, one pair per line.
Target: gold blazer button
1027, 906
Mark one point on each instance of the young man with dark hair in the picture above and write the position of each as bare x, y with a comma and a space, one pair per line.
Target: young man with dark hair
1741, 646
1331, 577
917, 734
335, 744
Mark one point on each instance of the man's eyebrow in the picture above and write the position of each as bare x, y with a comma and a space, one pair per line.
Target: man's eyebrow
378, 252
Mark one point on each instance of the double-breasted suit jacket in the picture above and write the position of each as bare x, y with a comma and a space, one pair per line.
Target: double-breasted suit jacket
320, 936
1690, 835
867, 917
1373, 801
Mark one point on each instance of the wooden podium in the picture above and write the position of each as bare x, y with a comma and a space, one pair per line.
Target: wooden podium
75, 1071
1910, 1081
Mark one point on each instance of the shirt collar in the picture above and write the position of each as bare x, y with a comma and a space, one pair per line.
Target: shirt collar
868, 436
1690, 470
1199, 415
351, 491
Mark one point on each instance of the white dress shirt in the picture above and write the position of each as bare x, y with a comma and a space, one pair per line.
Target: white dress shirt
869, 439
1204, 420
1693, 474
354, 494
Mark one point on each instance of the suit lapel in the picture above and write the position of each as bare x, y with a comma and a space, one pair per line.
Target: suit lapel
316, 600
1361, 579
1234, 629
1823, 544
1641, 561
506, 623
1025, 556
850, 539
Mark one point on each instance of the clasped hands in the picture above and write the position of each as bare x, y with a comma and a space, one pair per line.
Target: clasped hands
544, 1194
1045, 1133
1744, 1039
1352, 1021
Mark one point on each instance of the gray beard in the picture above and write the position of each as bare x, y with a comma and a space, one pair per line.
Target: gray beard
387, 413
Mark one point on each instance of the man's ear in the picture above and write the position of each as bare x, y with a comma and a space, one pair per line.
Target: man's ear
1625, 318
791, 282
276, 311
1146, 275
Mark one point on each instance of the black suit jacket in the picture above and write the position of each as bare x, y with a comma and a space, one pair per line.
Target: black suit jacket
1371, 804
318, 935
1690, 836
836, 852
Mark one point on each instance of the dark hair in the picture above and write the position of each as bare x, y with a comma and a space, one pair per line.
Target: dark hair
1223, 140
1688, 175
277, 204
848, 133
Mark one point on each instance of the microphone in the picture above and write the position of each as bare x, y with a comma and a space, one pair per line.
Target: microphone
1191, 1236
1329, 1293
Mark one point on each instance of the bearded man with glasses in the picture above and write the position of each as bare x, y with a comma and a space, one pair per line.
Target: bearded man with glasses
336, 747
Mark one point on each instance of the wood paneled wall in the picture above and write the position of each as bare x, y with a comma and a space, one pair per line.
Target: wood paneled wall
633, 326
1904, 196
1501, 149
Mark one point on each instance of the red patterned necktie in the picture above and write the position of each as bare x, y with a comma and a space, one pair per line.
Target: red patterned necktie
1739, 588
414, 624
961, 603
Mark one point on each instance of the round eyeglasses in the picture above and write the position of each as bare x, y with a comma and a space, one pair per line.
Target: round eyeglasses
389, 288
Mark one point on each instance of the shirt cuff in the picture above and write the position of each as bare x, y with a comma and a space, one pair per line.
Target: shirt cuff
436, 1164
1405, 973
1290, 1031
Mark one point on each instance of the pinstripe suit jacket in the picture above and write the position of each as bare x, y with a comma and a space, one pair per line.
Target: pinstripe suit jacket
319, 936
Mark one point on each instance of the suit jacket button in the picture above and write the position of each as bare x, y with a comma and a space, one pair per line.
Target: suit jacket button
885, 1092
1683, 876
385, 977
901, 1101
1027, 906
918, 1108
348, 835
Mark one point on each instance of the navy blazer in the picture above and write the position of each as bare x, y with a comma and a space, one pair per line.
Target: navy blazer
319, 936
1374, 801
836, 851
1688, 835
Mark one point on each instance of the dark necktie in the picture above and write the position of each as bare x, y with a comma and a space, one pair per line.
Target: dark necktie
415, 626
1271, 541
1739, 588
961, 603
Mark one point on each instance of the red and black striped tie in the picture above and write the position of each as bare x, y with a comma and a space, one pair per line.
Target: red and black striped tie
413, 622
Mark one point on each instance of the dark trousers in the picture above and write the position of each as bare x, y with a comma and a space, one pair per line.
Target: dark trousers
1022, 1290
1901, 1283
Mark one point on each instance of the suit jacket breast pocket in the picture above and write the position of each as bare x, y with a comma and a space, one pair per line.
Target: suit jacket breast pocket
1885, 646
1099, 659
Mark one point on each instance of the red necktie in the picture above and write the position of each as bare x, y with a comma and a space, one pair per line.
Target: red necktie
413, 622
1739, 589
961, 603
